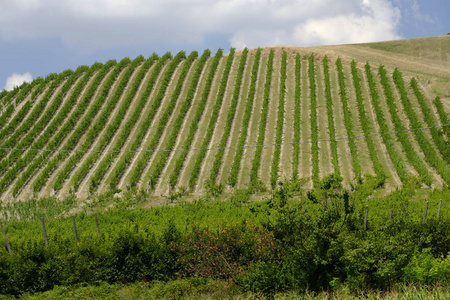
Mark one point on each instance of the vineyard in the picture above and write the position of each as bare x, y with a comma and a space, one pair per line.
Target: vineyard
201, 121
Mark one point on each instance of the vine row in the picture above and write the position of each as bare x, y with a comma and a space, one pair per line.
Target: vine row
18, 126
24, 92
331, 127
365, 124
85, 123
229, 122
3, 94
439, 141
143, 128
430, 154
110, 130
442, 116
126, 129
297, 117
36, 128
29, 161
162, 157
173, 179
101, 122
232, 180
280, 122
256, 163
42, 85
402, 136
41, 128
313, 120
11, 94
348, 122
144, 158
42, 160
198, 161
387, 139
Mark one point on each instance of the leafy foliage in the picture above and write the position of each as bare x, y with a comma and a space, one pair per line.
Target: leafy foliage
275, 245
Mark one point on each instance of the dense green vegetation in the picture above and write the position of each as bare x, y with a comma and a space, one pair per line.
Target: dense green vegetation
287, 242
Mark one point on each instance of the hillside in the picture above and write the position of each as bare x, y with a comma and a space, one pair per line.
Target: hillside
245, 118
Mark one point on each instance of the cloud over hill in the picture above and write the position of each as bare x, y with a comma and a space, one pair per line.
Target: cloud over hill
17, 79
94, 24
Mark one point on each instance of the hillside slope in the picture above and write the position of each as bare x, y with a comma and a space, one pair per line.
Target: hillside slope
249, 117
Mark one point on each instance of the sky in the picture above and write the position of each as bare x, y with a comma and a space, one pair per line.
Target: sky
39, 37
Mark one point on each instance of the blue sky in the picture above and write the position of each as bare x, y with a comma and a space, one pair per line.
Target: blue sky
38, 37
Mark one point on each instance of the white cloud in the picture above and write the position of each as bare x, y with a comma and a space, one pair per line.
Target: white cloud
96, 24
378, 22
16, 80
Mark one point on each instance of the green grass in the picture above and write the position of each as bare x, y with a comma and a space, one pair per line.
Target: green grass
200, 288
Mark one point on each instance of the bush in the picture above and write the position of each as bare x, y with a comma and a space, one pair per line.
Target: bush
425, 269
